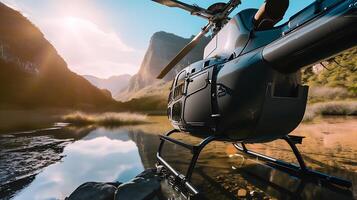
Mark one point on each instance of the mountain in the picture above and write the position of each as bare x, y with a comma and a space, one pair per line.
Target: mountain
162, 48
32, 74
114, 84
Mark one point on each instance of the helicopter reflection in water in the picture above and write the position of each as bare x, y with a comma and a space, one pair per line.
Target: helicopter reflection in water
222, 172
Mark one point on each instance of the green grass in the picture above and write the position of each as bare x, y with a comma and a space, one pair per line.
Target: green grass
109, 119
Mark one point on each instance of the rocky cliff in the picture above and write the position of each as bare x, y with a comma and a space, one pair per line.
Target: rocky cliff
32, 74
162, 48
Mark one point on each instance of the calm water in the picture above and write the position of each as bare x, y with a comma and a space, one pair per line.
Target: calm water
51, 163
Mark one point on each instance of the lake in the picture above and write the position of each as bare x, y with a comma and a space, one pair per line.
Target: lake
50, 163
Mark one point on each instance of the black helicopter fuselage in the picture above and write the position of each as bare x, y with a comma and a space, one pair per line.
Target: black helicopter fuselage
248, 87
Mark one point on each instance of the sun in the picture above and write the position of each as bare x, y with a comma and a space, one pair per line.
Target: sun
71, 23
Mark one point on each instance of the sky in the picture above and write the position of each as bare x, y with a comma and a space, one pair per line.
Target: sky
109, 37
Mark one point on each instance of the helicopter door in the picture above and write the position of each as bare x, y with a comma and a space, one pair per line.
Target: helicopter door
197, 109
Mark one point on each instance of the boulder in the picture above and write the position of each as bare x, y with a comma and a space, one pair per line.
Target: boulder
144, 186
94, 190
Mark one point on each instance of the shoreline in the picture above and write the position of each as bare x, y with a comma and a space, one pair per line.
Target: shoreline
22, 120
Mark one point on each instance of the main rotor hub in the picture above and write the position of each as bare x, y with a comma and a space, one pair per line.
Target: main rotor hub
217, 7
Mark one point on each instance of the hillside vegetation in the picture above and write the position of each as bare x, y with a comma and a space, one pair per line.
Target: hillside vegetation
333, 86
335, 79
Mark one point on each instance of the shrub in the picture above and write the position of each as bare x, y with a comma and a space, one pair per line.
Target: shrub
330, 108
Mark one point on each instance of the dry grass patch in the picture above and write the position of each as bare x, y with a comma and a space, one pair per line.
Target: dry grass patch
344, 108
110, 119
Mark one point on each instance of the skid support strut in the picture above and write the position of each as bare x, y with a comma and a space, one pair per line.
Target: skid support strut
300, 169
181, 180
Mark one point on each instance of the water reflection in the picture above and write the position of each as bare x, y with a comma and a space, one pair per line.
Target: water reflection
103, 155
330, 147
23, 156
58, 161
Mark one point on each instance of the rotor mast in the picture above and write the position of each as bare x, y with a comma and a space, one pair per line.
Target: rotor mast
217, 16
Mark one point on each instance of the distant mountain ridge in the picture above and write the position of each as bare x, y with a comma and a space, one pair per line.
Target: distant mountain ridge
114, 84
32, 74
162, 48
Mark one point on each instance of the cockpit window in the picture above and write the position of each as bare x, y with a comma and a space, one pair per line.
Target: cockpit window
180, 85
172, 84
170, 94
181, 78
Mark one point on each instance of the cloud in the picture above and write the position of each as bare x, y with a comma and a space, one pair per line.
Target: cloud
100, 156
101, 146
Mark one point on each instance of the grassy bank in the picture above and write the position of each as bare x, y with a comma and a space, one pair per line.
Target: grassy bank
109, 119
17, 120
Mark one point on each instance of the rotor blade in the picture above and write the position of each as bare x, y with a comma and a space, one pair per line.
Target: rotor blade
184, 52
178, 4
231, 5
193, 9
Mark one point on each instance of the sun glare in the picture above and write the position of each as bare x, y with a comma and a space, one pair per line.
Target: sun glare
72, 22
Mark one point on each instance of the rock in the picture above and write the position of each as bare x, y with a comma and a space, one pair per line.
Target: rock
145, 186
94, 190
138, 189
162, 48
242, 193
256, 195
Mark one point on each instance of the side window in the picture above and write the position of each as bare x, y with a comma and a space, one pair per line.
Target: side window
180, 85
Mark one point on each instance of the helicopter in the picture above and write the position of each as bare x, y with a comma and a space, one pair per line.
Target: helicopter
247, 87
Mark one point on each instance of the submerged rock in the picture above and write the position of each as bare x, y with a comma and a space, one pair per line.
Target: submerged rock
94, 190
242, 193
144, 186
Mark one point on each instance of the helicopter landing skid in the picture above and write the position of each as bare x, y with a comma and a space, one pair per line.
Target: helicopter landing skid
179, 181
299, 170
